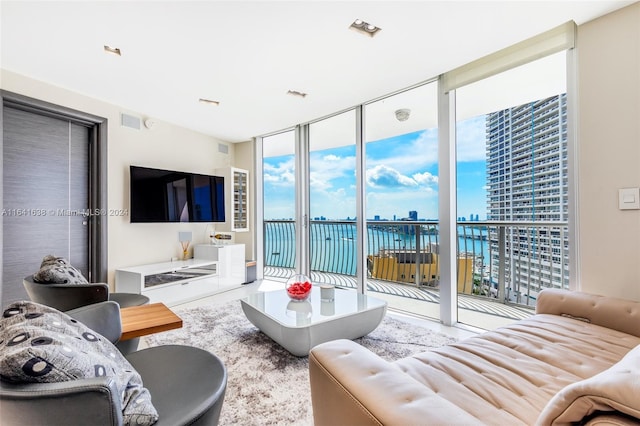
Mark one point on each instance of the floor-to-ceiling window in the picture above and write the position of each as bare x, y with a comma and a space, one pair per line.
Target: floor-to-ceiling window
332, 196
483, 140
401, 176
279, 203
512, 190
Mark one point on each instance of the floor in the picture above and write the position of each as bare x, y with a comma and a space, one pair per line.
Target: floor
474, 311
459, 332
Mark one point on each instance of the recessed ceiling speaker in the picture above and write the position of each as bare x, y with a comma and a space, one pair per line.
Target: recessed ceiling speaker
131, 121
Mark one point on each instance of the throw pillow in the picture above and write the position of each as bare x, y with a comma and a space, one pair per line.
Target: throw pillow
58, 270
615, 389
39, 344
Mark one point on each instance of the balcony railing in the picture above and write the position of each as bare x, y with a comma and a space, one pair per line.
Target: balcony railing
507, 262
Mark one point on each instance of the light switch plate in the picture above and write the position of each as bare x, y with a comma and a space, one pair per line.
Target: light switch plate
629, 199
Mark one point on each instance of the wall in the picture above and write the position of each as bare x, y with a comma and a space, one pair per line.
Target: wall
609, 152
164, 146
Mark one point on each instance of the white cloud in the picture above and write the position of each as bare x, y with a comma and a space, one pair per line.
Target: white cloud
280, 174
425, 178
471, 136
324, 169
418, 153
382, 176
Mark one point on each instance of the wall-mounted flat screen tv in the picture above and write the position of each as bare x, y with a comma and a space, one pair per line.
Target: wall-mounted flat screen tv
171, 196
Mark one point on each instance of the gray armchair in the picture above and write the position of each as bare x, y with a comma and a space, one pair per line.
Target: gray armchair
64, 297
187, 385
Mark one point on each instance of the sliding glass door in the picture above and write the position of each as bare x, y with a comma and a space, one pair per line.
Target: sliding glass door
332, 199
279, 204
512, 174
402, 199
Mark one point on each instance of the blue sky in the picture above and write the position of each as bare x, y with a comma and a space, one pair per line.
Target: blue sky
401, 175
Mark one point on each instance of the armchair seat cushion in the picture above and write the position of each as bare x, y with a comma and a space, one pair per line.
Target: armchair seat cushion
193, 388
126, 300
42, 345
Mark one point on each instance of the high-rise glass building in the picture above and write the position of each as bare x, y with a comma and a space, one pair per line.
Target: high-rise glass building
527, 182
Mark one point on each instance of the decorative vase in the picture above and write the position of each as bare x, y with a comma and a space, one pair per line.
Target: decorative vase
298, 287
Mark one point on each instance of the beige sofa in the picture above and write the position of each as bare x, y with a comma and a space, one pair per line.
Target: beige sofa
576, 360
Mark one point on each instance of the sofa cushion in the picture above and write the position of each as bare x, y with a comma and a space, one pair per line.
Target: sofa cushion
532, 359
615, 389
58, 270
40, 344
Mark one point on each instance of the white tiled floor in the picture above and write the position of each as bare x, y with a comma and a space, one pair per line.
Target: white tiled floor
266, 285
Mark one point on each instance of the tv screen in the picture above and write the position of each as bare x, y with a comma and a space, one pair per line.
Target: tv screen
170, 196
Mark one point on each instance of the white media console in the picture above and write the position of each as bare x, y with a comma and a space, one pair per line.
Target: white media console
213, 269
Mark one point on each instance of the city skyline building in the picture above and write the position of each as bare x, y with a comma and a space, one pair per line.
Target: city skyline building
527, 180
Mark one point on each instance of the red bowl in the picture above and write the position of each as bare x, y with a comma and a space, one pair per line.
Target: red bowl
299, 290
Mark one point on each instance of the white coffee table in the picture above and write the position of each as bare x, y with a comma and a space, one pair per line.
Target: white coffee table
299, 326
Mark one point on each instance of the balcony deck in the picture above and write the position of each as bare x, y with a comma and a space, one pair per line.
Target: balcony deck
483, 313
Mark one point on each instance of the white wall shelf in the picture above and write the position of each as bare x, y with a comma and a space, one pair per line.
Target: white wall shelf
172, 282
236, 198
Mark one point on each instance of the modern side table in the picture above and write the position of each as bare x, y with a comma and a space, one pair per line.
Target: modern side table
299, 326
141, 320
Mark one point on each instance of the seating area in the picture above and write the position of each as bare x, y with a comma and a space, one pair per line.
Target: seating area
181, 384
60, 285
66, 359
577, 361
65, 297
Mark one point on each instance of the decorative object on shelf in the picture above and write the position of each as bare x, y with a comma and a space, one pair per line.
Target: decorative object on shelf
185, 240
327, 293
298, 287
210, 232
221, 238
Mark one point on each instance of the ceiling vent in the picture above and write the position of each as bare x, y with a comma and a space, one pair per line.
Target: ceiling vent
112, 50
297, 93
208, 101
130, 121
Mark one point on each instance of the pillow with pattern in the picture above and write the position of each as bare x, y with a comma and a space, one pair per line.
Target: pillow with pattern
58, 270
39, 344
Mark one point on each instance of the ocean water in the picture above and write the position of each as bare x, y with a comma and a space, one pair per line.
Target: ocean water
333, 245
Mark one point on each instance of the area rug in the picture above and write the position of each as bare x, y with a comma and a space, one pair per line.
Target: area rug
266, 384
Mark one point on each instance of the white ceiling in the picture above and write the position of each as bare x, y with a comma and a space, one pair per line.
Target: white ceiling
247, 55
